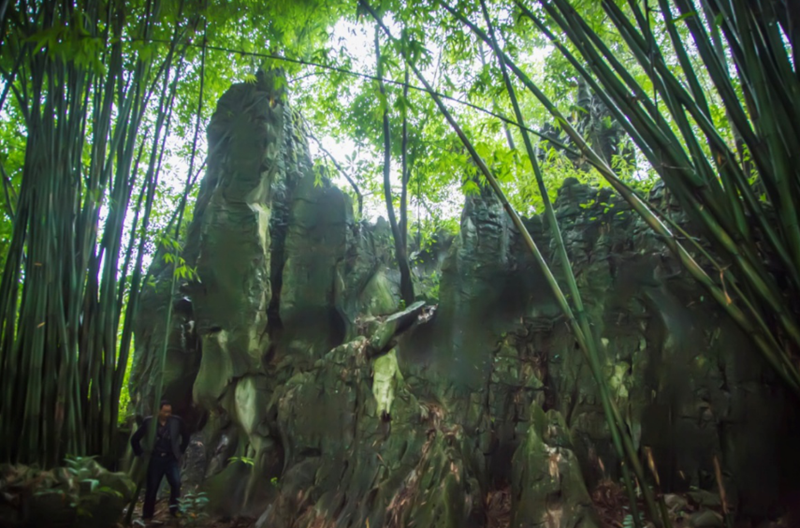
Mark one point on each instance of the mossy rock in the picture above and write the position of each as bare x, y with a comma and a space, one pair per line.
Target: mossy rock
547, 484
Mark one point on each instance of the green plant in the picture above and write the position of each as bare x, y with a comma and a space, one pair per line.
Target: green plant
193, 506
172, 255
81, 468
79, 484
84, 470
244, 460
429, 287
628, 521
73, 63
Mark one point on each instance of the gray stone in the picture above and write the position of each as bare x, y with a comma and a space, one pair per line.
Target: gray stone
706, 519
675, 503
705, 498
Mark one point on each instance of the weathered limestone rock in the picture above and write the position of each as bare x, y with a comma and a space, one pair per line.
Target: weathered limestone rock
456, 347
687, 379
706, 519
311, 308
322, 408
350, 464
548, 487
230, 304
183, 350
284, 272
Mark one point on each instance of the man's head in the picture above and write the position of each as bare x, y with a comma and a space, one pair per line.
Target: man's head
165, 410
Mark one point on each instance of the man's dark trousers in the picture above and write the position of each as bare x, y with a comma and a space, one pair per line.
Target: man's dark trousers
161, 465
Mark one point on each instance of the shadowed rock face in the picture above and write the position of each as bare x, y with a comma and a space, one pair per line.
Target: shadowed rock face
283, 356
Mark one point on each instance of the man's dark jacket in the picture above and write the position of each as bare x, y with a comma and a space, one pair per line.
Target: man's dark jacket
178, 436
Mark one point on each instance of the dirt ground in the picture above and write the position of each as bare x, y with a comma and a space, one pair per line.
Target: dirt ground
186, 520
610, 502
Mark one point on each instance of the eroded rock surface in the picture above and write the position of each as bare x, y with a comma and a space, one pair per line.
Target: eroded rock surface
316, 407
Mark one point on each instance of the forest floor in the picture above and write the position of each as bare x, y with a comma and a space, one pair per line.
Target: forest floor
187, 520
688, 510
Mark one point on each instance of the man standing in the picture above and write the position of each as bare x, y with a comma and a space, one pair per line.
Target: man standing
167, 451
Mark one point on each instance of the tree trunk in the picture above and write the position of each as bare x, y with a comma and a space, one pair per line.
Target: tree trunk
406, 286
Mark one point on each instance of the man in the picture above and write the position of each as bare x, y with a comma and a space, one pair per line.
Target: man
165, 459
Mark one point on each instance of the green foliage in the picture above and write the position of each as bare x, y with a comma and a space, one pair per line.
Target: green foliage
193, 506
83, 484
244, 460
628, 521
80, 467
429, 287
171, 251
688, 120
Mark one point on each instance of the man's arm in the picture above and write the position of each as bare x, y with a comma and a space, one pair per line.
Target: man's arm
137, 437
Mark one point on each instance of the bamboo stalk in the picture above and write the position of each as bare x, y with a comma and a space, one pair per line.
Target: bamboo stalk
58, 325
742, 254
756, 275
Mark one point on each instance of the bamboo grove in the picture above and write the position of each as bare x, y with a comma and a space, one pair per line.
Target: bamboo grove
97, 114
741, 197
99, 90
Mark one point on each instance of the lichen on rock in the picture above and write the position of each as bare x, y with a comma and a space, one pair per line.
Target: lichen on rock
386, 374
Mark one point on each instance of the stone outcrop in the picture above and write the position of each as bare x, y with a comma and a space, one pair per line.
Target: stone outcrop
318, 407
549, 486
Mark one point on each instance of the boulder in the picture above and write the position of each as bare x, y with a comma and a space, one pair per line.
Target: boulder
706, 519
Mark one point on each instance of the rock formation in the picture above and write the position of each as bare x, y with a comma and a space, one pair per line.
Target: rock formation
318, 407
